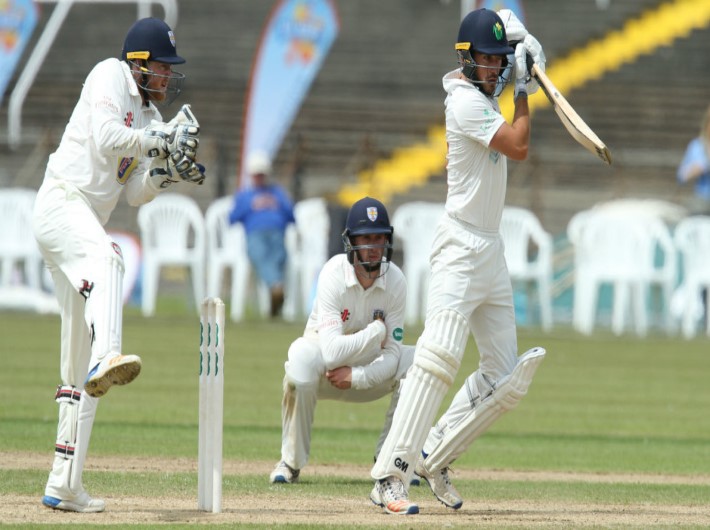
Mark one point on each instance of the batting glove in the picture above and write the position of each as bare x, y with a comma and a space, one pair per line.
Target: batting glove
514, 29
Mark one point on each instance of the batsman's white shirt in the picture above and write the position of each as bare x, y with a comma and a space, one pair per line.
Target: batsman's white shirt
469, 273
477, 175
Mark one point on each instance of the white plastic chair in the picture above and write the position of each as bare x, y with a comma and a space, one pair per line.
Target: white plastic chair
25, 283
692, 238
172, 234
617, 248
415, 225
312, 228
227, 249
521, 231
19, 254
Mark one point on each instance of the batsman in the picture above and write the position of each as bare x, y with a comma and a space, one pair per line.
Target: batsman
470, 290
115, 141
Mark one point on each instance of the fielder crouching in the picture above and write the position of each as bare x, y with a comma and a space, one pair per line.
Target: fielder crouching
115, 140
351, 349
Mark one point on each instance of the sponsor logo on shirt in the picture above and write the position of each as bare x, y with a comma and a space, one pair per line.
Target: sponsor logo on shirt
345, 315
125, 168
398, 334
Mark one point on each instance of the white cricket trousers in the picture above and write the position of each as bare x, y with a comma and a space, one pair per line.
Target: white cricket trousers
305, 383
80, 257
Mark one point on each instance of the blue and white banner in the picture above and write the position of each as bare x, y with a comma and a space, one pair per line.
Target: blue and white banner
516, 6
295, 41
18, 19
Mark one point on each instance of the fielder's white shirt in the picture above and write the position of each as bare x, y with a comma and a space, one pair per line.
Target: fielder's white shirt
477, 175
99, 153
341, 321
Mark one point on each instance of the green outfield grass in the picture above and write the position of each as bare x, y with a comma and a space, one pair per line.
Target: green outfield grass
597, 405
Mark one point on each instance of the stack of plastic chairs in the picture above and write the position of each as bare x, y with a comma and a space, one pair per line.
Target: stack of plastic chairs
620, 248
172, 234
521, 230
692, 238
415, 225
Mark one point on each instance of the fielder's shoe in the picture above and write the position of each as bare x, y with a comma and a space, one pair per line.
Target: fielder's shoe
389, 493
82, 503
440, 485
284, 474
114, 369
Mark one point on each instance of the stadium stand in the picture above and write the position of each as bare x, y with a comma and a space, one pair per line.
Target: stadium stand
380, 91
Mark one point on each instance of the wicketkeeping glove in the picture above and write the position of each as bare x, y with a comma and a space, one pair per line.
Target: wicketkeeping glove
180, 133
186, 168
160, 174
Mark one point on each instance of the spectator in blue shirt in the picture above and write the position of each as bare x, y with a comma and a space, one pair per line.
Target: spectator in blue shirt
265, 210
695, 168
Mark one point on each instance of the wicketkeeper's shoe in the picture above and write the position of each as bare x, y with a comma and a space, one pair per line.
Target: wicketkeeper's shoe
284, 474
81, 503
440, 485
389, 493
114, 369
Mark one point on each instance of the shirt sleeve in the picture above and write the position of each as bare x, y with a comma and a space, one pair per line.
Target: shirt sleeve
476, 117
241, 207
694, 156
385, 365
107, 94
358, 348
140, 188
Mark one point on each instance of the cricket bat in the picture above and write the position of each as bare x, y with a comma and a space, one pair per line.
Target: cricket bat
575, 125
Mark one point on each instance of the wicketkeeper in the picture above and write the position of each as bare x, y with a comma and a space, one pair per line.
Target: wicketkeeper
115, 140
470, 290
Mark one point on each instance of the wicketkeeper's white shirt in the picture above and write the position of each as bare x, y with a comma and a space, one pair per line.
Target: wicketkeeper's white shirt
99, 153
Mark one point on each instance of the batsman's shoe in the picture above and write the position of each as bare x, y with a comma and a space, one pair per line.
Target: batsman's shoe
82, 503
440, 485
389, 493
114, 369
284, 474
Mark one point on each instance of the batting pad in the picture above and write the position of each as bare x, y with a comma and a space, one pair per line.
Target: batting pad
505, 397
436, 361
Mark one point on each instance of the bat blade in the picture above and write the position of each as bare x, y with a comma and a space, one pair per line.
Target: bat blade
574, 124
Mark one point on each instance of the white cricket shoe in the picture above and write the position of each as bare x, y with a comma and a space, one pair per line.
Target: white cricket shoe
440, 485
114, 369
389, 493
82, 503
284, 474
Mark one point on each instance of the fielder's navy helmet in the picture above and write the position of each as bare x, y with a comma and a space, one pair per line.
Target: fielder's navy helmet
151, 39
367, 216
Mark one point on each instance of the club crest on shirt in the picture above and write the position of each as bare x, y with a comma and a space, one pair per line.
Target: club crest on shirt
372, 213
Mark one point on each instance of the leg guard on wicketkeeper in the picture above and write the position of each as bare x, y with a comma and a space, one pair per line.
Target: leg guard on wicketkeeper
436, 362
77, 411
485, 401
104, 307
